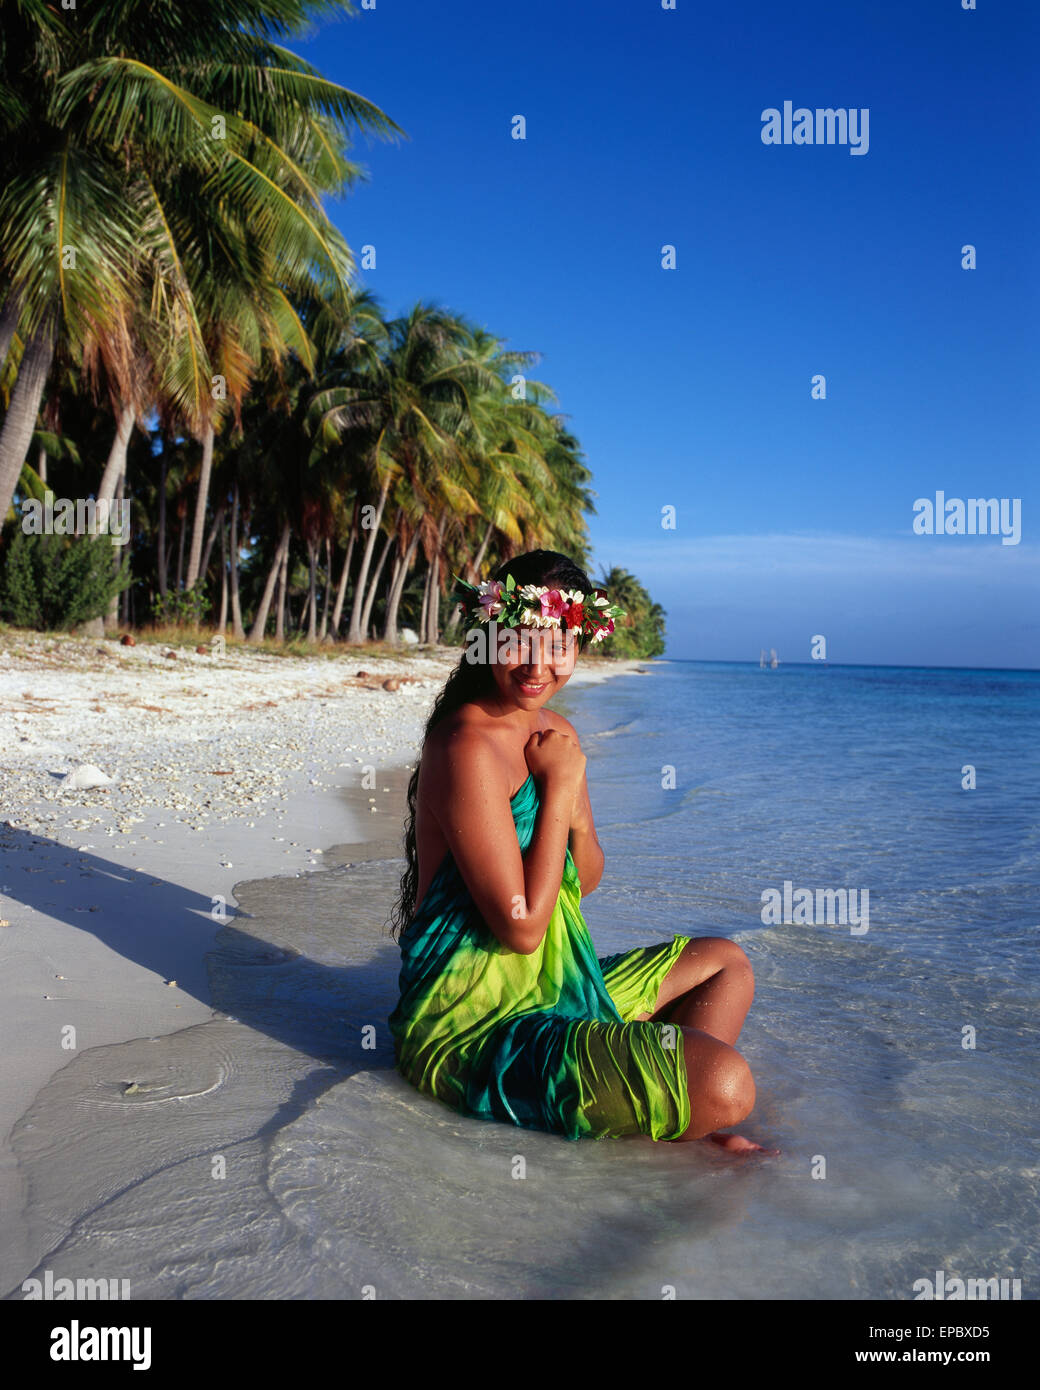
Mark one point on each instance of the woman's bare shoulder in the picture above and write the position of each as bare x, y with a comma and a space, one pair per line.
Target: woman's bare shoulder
564, 725
462, 732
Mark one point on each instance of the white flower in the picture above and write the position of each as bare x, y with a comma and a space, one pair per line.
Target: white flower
531, 617
600, 602
530, 592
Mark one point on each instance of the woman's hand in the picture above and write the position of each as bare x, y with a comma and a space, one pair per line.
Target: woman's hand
556, 760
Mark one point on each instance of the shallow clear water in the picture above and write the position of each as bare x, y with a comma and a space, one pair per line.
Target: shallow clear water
338, 1177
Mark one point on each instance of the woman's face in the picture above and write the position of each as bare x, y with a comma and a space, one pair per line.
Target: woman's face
533, 664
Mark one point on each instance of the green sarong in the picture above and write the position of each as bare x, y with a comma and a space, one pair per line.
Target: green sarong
546, 1041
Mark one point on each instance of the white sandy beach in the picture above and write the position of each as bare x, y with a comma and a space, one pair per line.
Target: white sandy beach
223, 770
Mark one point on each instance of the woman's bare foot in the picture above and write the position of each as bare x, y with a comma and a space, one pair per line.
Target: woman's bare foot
737, 1144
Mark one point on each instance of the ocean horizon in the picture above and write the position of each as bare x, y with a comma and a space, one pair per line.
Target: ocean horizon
851, 665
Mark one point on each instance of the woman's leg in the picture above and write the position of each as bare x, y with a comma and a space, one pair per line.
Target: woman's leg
707, 994
720, 1086
711, 985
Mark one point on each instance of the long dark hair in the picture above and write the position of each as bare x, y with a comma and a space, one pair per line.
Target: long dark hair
471, 680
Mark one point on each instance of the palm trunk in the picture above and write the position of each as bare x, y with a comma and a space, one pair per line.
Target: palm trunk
180, 551
433, 609
236, 606
370, 599
279, 605
200, 507
391, 587
218, 525
328, 591
312, 595
283, 595
337, 610
478, 560
41, 464
256, 633
123, 599
222, 624
113, 488
115, 468
355, 633
397, 589
111, 620
425, 604
161, 542
20, 420
433, 612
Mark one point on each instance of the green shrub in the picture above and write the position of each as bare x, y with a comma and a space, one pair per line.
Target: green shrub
181, 607
54, 582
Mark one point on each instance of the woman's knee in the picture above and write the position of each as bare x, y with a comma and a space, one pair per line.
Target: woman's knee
737, 958
724, 953
719, 1082
732, 967
736, 1088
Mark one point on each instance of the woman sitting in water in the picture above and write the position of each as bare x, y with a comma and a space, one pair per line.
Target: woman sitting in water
505, 1011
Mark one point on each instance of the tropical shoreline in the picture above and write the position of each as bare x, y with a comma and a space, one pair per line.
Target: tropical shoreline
223, 771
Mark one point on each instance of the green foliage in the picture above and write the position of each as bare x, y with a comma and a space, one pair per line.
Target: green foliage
53, 582
162, 200
641, 632
181, 607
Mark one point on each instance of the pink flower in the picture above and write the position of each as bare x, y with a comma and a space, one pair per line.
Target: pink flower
554, 605
490, 597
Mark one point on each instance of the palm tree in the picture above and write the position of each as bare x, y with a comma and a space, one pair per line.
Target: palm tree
399, 404
506, 471
99, 148
641, 632
527, 472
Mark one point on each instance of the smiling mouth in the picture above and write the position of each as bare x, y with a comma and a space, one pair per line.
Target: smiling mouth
529, 689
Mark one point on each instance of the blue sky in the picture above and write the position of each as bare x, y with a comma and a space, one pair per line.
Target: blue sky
691, 387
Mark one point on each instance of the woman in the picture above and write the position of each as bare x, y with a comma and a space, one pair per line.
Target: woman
505, 1011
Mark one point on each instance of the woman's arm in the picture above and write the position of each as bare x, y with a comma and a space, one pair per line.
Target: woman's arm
585, 847
515, 893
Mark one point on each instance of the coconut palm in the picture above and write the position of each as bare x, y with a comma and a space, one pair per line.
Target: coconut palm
641, 631
99, 147
506, 454
400, 403
482, 476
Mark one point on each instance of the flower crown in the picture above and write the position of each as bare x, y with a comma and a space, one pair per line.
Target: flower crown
536, 605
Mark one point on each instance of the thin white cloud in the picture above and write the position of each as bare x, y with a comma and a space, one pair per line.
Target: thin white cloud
954, 559
931, 600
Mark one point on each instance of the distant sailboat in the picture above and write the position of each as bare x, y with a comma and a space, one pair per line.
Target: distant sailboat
773, 662
762, 659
